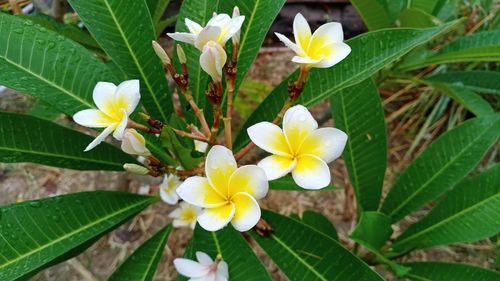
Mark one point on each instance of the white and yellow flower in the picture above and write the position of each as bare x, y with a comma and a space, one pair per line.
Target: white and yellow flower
300, 148
114, 105
212, 60
322, 49
168, 193
227, 193
134, 143
220, 28
204, 270
185, 215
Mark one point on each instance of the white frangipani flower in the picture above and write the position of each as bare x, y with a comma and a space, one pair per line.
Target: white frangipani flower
168, 188
300, 148
212, 60
220, 28
322, 49
134, 143
204, 270
200, 146
185, 215
114, 105
227, 193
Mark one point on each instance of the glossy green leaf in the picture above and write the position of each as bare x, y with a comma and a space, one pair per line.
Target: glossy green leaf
443, 164
370, 52
303, 253
467, 98
478, 81
424, 5
44, 64
468, 213
156, 9
483, 46
288, 184
374, 13
124, 30
35, 233
358, 112
230, 244
143, 262
25, 138
43, 110
320, 223
417, 18
373, 230
442, 271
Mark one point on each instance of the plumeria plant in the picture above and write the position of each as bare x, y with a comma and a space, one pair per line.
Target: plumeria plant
167, 114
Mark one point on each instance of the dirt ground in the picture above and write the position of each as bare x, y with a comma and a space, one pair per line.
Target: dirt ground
20, 182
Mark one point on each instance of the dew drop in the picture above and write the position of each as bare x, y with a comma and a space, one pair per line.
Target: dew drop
35, 204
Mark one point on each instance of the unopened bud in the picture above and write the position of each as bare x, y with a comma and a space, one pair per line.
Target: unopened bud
144, 116
135, 169
180, 54
160, 52
236, 36
214, 14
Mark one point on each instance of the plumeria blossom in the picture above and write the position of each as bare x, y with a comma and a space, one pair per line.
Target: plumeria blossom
203, 270
185, 215
212, 60
227, 193
220, 28
168, 188
324, 48
300, 148
134, 143
114, 105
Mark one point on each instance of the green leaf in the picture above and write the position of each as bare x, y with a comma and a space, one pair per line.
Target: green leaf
417, 18
320, 223
125, 32
443, 164
468, 99
358, 112
370, 53
24, 138
288, 184
303, 253
373, 230
424, 5
468, 213
43, 110
142, 264
230, 244
156, 9
478, 81
35, 233
41, 63
374, 13
441, 271
483, 46
259, 16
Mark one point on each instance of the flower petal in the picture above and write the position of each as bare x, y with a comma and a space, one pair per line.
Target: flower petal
247, 212
276, 166
219, 166
214, 219
169, 197
193, 27
183, 37
325, 35
197, 191
103, 96
212, 59
334, 53
92, 118
269, 137
301, 31
325, 143
298, 123
134, 143
294, 47
306, 60
222, 273
232, 27
120, 129
250, 179
100, 138
311, 172
203, 258
127, 95
190, 268
209, 33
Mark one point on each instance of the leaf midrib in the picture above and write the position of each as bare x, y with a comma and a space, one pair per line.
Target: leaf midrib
152, 260
74, 233
448, 219
445, 167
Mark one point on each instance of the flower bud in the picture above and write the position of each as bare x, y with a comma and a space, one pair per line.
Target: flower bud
160, 52
181, 55
236, 36
135, 169
134, 143
212, 60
